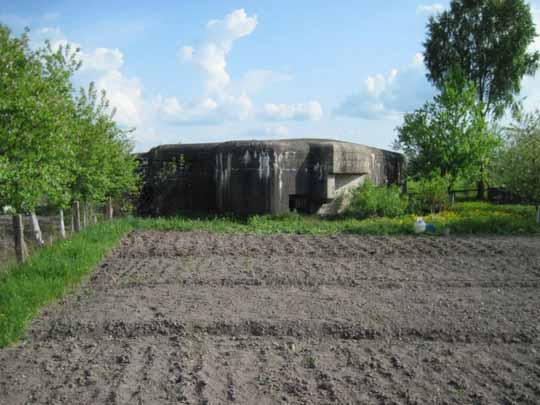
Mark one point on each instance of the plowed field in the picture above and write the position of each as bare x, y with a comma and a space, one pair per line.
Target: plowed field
206, 318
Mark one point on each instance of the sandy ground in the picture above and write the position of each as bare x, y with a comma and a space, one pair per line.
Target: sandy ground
203, 318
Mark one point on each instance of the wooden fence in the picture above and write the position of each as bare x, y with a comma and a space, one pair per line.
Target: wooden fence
20, 235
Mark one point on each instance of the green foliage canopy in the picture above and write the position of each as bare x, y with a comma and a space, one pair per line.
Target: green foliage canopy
488, 41
35, 108
105, 166
518, 166
448, 136
55, 145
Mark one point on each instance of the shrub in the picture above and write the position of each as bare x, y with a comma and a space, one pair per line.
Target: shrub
428, 195
370, 200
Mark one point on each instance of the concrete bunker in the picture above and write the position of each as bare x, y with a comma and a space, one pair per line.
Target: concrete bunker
259, 177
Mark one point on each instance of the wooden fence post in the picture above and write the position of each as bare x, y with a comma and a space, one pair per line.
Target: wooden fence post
92, 214
36, 229
76, 217
84, 214
21, 251
62, 225
110, 212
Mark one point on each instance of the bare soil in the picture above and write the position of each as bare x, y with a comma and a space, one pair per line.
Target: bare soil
205, 318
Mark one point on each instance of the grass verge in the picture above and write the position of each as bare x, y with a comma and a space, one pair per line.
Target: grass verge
51, 273
463, 219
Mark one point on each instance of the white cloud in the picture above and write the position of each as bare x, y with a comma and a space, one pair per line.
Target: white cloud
211, 54
429, 9
231, 100
310, 111
125, 95
381, 96
206, 111
102, 59
104, 67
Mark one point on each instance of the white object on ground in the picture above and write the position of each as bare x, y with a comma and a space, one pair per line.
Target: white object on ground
420, 225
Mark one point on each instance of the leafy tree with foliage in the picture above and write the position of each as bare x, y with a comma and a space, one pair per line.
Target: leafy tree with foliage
518, 166
105, 166
487, 41
447, 137
35, 111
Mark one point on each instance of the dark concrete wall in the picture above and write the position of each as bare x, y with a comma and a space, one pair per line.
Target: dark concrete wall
259, 177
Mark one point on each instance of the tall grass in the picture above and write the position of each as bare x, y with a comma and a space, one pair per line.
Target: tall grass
51, 273
463, 219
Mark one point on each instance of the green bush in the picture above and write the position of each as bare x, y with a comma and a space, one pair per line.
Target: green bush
370, 200
428, 195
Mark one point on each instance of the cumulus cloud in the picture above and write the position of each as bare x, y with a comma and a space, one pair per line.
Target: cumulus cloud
102, 59
383, 95
206, 111
429, 9
104, 67
225, 99
310, 111
125, 95
211, 54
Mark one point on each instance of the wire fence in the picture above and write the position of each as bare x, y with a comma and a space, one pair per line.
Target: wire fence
49, 222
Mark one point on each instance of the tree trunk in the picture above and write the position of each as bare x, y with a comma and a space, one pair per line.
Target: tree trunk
38, 236
21, 252
481, 193
110, 211
62, 225
76, 217
538, 214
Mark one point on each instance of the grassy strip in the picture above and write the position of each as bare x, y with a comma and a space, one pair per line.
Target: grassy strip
51, 273
464, 219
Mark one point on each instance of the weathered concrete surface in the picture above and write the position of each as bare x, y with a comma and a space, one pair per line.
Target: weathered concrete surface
259, 177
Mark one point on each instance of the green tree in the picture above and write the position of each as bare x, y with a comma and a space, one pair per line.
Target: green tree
488, 41
448, 136
35, 110
105, 166
518, 166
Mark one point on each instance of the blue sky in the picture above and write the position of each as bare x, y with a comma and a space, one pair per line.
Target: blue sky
202, 71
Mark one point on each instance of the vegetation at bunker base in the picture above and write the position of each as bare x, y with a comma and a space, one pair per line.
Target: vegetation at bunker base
464, 218
51, 273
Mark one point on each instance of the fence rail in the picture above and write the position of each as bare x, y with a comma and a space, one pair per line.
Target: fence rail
19, 236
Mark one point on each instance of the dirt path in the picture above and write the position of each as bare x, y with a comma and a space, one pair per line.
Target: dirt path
204, 318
